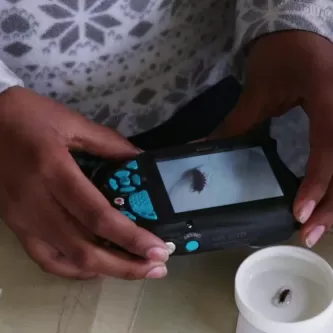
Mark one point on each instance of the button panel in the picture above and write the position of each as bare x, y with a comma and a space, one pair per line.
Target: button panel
135, 202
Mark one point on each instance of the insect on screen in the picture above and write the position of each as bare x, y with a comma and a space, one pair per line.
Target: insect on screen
218, 179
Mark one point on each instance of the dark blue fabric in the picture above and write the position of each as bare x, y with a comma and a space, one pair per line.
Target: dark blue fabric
195, 120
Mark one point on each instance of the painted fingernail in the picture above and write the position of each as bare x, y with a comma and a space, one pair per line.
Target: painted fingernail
171, 247
158, 254
306, 211
314, 236
157, 273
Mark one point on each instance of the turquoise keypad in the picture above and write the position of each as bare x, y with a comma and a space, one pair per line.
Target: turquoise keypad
136, 179
141, 205
133, 165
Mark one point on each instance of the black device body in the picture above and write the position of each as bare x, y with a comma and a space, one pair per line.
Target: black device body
259, 222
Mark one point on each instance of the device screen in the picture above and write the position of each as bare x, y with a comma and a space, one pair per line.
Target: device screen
218, 179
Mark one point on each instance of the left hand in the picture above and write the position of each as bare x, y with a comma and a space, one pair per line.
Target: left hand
285, 70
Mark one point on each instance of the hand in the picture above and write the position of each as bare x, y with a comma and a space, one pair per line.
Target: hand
54, 210
285, 70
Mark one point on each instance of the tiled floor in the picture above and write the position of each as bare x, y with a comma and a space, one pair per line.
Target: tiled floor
196, 297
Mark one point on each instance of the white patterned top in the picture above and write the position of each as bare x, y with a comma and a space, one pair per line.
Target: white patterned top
131, 64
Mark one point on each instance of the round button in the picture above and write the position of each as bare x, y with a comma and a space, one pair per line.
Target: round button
192, 246
119, 201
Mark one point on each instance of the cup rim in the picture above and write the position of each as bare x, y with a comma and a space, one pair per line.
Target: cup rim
259, 320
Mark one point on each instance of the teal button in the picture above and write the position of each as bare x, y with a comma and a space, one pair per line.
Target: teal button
122, 174
113, 184
124, 181
136, 179
133, 165
127, 189
141, 205
140, 202
192, 246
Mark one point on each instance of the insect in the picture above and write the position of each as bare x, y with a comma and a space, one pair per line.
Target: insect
194, 178
198, 179
282, 297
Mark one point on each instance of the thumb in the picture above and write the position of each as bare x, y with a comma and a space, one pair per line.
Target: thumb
319, 172
314, 186
244, 117
99, 140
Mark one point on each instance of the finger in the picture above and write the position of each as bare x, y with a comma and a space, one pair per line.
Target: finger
320, 221
319, 167
121, 265
91, 258
99, 140
88, 258
49, 260
315, 184
112, 264
84, 201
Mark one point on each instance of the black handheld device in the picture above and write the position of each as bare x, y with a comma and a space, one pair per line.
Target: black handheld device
206, 196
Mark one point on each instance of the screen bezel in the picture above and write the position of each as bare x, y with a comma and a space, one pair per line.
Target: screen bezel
159, 194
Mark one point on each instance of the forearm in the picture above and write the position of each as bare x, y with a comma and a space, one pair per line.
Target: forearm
256, 20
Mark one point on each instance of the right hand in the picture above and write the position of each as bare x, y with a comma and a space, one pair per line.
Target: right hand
53, 209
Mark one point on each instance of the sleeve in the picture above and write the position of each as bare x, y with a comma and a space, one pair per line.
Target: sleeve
8, 79
255, 18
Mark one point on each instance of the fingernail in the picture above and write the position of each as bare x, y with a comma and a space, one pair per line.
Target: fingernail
157, 273
171, 247
306, 211
158, 254
314, 236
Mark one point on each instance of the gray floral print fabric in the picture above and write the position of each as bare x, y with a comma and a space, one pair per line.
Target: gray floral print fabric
259, 17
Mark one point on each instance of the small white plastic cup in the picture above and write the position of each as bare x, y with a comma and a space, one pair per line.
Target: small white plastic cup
309, 277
